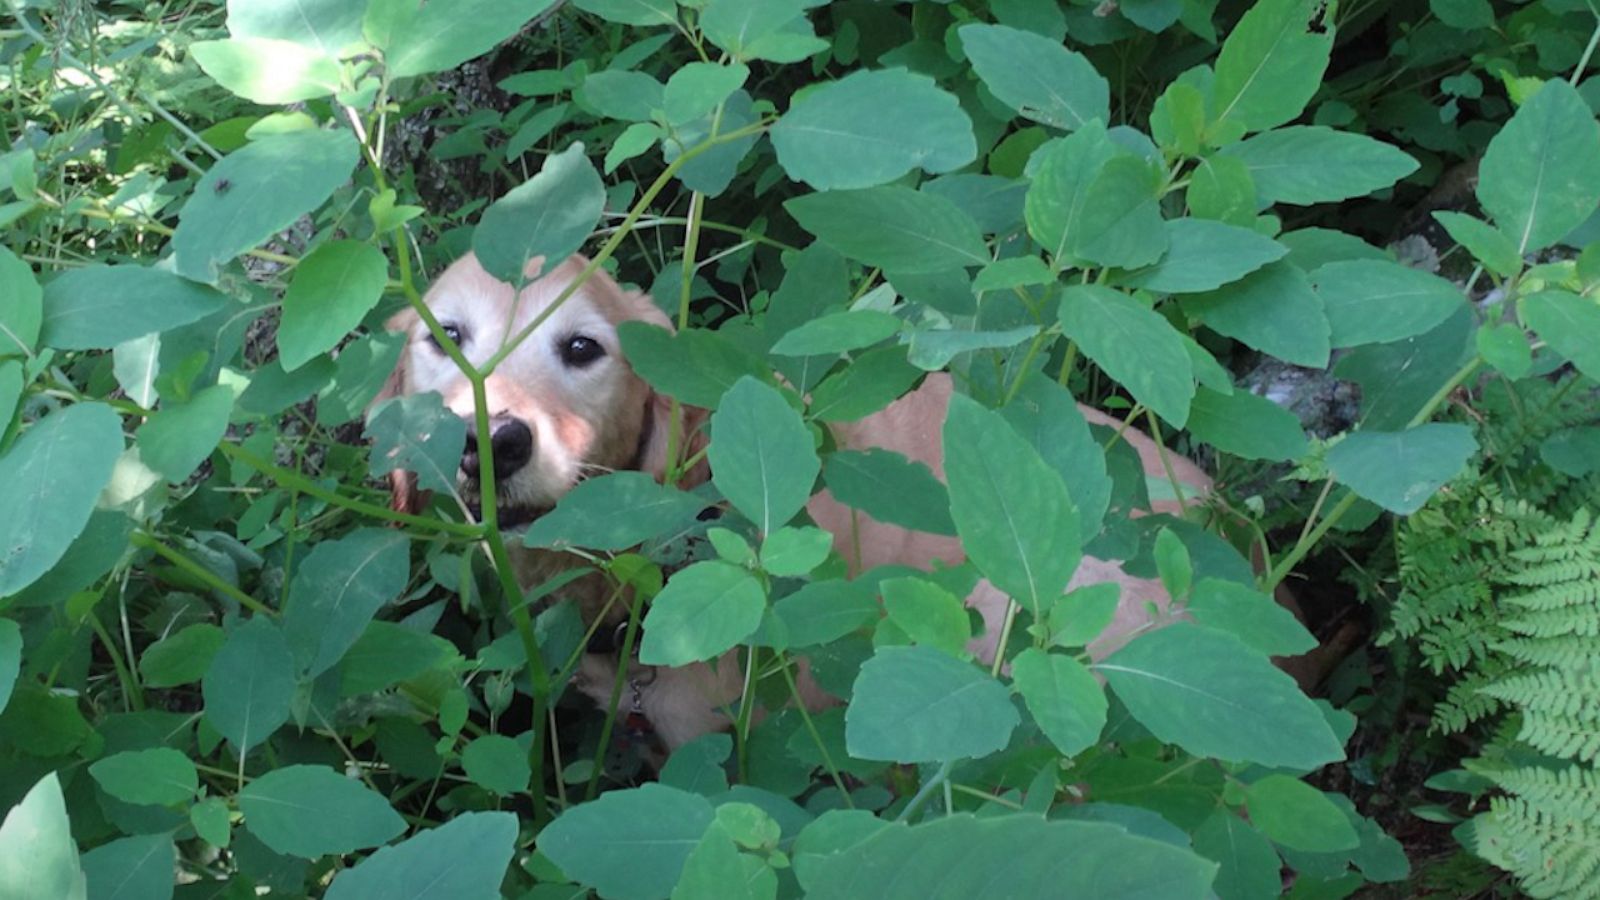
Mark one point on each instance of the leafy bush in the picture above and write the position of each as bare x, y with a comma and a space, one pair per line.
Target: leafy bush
217, 660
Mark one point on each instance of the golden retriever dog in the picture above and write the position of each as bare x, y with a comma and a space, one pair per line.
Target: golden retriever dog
565, 404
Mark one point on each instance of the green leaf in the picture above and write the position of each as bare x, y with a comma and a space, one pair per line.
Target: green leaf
10, 659
181, 657
643, 13
1484, 241
890, 488
313, 811
1252, 617
1271, 64
793, 552
99, 307
465, 857
1045, 414
1463, 14
333, 290
1568, 323
255, 192
1036, 76
1078, 616
774, 30
614, 512
496, 763
917, 704
1397, 380
1505, 346
837, 333
210, 818
1247, 426
761, 454
250, 685
928, 614
716, 868
1540, 176
49, 481
549, 215
21, 308
893, 228
703, 611
1221, 188
696, 366
387, 653
1571, 451
37, 855
1134, 345
872, 381
177, 439
619, 94
1372, 302
1305, 164
330, 26
1057, 197
1173, 564
156, 777
1274, 310
1203, 255
933, 349
629, 844
1249, 866
264, 70
362, 370
132, 868
432, 37
1400, 470
337, 590
1212, 696
417, 434
1121, 224
1018, 271
1013, 512
1298, 816
870, 128
1065, 699
634, 140
822, 612
697, 766
713, 169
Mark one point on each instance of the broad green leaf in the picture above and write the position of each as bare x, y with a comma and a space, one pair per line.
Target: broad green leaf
870, 382
417, 434
49, 480
211, 821
1066, 701
1078, 616
101, 544
1398, 379
1305, 164
136, 365
1400, 470
1540, 176
1274, 311
264, 70
1485, 242
716, 868
793, 552
496, 763
1121, 224
1208, 693
337, 589
1568, 323
387, 653
132, 868
634, 140
464, 858
1271, 64
1246, 426
250, 684
643, 13
1013, 512
1505, 346
928, 614
1018, 271
1045, 414
837, 333
333, 290
1570, 451
178, 438
1252, 617
933, 349
313, 811
255, 192
629, 844
614, 512
1221, 188
1298, 816
713, 169
21, 308
1178, 119
37, 855
822, 612
620, 94
10, 659
893, 228
1249, 867
330, 26
870, 128
99, 307
549, 215
10, 389
160, 776
890, 488
761, 454
1203, 255
1134, 345
1011, 855
703, 611
774, 30
1463, 14
181, 657
360, 373
1312, 248
1058, 195
431, 37
694, 365
1372, 302
1173, 565
272, 390
1037, 77
697, 766
917, 704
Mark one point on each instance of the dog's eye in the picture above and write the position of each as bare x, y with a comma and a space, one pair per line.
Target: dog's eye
579, 351
453, 332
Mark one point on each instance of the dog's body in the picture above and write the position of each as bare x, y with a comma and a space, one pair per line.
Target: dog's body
565, 404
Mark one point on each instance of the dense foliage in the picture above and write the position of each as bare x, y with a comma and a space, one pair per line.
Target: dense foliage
229, 668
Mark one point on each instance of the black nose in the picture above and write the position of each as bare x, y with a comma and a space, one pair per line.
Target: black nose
510, 445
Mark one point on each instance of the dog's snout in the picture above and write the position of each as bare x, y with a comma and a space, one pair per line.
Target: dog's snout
510, 446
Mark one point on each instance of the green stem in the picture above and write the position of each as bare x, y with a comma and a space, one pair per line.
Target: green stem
147, 541
927, 789
747, 706
132, 697
811, 729
617, 684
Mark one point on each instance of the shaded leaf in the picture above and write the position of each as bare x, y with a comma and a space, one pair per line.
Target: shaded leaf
1540, 176
313, 811
761, 454
549, 215
1400, 470
893, 227
1134, 345
1305, 164
702, 612
917, 704
1066, 701
1037, 77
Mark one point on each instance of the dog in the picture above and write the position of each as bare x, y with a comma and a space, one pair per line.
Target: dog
565, 404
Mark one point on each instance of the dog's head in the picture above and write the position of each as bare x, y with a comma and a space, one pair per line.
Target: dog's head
562, 405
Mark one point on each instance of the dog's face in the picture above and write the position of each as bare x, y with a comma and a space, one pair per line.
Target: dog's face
563, 404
